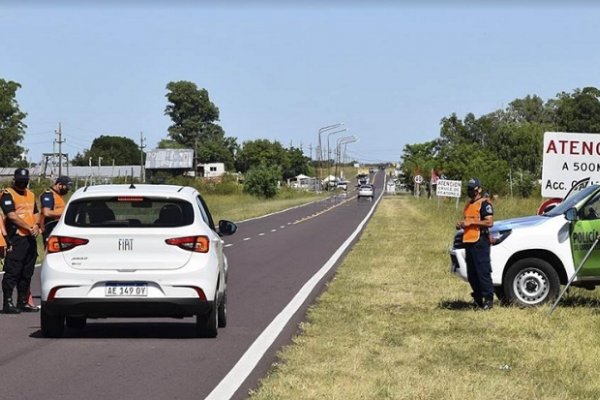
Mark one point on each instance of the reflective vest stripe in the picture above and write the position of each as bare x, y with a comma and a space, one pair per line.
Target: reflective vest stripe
24, 206
472, 213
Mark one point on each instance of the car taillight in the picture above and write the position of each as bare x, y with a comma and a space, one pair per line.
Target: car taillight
198, 244
56, 244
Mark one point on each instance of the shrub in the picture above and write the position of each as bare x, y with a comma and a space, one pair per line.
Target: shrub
262, 181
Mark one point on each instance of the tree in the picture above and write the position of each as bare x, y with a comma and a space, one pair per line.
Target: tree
117, 149
579, 111
261, 151
169, 144
12, 127
419, 159
194, 126
298, 163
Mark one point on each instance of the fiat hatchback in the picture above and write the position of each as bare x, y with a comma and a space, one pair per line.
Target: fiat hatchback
135, 251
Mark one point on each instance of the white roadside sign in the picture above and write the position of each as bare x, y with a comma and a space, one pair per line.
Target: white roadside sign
568, 158
448, 188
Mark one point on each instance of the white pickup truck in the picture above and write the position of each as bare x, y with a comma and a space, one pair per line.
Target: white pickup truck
532, 256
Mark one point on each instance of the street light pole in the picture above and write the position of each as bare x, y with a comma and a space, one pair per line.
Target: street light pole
343, 140
328, 153
320, 150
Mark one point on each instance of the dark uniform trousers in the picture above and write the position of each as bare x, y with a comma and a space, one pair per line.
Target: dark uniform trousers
479, 269
19, 266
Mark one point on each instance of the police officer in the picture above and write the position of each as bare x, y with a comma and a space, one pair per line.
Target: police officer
478, 218
18, 204
53, 204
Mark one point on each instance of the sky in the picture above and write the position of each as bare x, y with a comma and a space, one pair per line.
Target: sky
389, 71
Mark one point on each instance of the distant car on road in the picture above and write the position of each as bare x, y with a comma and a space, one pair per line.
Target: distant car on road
135, 251
342, 185
365, 191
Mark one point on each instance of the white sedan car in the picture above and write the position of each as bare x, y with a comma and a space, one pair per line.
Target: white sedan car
135, 251
366, 191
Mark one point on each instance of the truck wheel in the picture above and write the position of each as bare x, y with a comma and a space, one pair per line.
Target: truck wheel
531, 282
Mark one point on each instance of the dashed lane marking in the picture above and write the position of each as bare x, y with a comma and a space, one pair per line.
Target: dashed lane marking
261, 234
247, 238
228, 245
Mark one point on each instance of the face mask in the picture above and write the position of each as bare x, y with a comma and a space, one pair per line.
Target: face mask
21, 185
471, 193
62, 191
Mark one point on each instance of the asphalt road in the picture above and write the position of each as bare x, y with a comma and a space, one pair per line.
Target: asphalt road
270, 259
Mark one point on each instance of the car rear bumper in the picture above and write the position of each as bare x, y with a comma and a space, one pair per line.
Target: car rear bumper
130, 308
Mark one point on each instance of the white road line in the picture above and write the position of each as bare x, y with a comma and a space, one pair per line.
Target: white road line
247, 238
289, 223
228, 245
273, 230
282, 227
261, 234
238, 374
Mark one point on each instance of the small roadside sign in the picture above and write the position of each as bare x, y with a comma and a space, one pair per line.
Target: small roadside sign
448, 188
418, 179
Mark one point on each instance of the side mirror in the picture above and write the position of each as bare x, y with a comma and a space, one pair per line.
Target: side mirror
226, 227
571, 214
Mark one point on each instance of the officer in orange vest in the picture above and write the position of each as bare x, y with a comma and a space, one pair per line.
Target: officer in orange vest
2, 237
18, 204
478, 218
53, 204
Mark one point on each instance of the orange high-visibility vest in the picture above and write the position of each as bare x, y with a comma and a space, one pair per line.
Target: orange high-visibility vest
472, 214
2, 240
24, 206
59, 202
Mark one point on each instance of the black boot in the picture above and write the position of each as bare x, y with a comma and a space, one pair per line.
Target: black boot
477, 301
9, 307
24, 306
488, 303
27, 307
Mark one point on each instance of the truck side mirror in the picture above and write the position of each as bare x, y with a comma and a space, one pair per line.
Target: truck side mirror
571, 214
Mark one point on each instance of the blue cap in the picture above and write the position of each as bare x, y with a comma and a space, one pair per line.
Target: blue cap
473, 183
21, 174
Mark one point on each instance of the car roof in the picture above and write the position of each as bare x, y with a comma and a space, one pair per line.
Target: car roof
135, 190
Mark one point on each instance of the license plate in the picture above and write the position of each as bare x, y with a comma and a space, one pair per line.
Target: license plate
126, 289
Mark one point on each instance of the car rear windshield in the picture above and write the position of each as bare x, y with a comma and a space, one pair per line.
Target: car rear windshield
129, 211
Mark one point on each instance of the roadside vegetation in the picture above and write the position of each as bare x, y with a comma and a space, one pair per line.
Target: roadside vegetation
226, 200
395, 324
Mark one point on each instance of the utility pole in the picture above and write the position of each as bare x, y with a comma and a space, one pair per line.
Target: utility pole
60, 141
142, 147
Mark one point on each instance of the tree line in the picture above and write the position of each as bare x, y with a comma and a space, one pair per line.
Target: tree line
194, 126
503, 147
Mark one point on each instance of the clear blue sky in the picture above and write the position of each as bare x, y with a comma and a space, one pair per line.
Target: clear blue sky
389, 72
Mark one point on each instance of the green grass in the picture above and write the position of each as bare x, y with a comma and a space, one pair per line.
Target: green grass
242, 206
395, 324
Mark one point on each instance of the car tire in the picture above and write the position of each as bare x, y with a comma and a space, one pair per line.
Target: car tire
207, 324
501, 294
53, 326
531, 282
222, 312
76, 322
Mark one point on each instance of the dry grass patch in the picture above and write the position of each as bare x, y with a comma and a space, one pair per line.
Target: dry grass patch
394, 324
